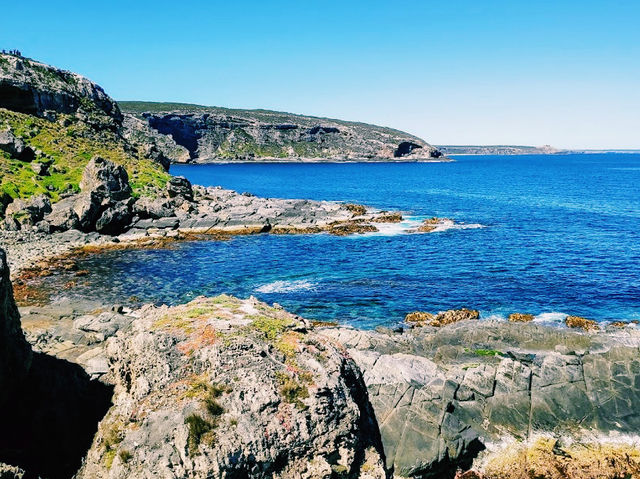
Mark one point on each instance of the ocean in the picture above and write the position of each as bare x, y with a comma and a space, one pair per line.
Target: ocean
549, 235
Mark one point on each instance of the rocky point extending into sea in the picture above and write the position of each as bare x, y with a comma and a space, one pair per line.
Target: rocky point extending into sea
236, 388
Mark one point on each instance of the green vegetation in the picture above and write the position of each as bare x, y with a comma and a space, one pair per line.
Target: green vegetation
201, 428
67, 146
270, 327
125, 455
198, 427
111, 437
294, 390
485, 352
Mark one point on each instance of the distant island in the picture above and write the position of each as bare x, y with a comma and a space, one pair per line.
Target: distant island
188, 133
518, 150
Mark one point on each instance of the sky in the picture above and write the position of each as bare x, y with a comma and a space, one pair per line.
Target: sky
564, 72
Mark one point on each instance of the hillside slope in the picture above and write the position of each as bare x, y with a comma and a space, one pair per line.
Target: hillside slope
52, 122
195, 133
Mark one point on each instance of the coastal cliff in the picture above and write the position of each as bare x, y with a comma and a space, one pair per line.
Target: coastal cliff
227, 387
68, 164
210, 134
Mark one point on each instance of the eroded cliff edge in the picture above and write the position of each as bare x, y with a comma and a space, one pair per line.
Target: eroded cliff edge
193, 133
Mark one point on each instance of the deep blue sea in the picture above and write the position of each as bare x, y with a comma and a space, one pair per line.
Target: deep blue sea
560, 235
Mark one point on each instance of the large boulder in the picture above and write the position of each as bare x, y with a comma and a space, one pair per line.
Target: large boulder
107, 179
15, 146
104, 204
114, 219
155, 208
29, 211
227, 388
179, 187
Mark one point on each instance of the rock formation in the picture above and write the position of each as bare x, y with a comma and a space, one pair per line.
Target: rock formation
441, 395
15, 352
208, 134
31, 87
227, 388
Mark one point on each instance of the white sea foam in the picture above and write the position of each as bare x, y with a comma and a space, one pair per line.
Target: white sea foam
450, 225
554, 317
406, 226
287, 286
410, 224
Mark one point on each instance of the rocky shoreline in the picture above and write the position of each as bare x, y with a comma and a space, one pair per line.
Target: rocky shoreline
434, 399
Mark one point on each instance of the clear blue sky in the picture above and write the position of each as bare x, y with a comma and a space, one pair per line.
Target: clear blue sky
561, 72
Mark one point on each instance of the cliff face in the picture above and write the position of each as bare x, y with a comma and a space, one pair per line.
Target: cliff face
27, 86
210, 134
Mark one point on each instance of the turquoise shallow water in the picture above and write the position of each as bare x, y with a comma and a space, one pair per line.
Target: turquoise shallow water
560, 235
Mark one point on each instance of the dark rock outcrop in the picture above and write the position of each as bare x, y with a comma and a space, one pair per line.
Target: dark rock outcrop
15, 352
27, 86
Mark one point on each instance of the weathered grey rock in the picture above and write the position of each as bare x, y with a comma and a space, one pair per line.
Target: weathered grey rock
441, 394
107, 179
102, 326
31, 87
180, 187
147, 207
114, 219
203, 390
40, 169
15, 146
29, 211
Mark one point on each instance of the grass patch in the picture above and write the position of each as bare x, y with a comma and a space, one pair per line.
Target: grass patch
488, 352
198, 427
202, 429
68, 145
546, 458
125, 455
270, 328
292, 390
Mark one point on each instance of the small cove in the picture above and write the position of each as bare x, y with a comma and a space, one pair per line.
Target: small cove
560, 235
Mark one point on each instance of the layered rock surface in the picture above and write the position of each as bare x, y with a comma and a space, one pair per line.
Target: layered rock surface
208, 134
441, 395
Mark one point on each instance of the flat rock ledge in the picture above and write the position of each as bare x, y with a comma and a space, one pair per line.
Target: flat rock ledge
443, 395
